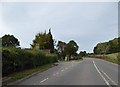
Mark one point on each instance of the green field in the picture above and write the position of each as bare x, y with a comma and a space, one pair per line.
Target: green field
112, 57
108, 57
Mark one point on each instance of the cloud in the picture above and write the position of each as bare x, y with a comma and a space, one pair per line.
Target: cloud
86, 23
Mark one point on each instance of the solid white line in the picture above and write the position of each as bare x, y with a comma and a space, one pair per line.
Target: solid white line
101, 75
107, 76
43, 80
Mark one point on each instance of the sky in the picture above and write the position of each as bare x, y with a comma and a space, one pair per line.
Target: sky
87, 23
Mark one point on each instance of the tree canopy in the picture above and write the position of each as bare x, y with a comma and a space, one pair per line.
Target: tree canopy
60, 48
112, 46
82, 53
10, 41
71, 48
44, 41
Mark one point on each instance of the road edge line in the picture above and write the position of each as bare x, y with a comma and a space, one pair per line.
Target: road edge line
101, 74
107, 76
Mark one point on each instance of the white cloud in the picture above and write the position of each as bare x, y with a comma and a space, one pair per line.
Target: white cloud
86, 23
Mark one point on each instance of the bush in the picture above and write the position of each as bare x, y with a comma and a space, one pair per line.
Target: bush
51, 58
15, 59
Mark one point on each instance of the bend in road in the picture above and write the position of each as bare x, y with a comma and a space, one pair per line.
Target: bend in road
76, 73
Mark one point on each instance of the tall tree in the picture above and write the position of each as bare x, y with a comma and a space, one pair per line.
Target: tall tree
60, 48
44, 41
10, 41
51, 41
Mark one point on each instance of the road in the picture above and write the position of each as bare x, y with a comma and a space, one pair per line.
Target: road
90, 71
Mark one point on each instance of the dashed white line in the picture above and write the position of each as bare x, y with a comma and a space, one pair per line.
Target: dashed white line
101, 75
43, 80
62, 70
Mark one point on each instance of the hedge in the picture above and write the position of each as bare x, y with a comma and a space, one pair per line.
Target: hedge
16, 59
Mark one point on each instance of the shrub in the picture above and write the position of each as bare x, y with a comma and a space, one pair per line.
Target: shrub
15, 59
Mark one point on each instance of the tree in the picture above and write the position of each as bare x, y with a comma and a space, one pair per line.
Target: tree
71, 49
114, 45
40, 41
44, 41
60, 48
10, 41
51, 41
82, 53
111, 46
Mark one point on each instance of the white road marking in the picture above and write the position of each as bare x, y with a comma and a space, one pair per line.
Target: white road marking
107, 76
101, 75
62, 70
43, 80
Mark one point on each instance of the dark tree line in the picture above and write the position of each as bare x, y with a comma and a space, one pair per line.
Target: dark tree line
111, 46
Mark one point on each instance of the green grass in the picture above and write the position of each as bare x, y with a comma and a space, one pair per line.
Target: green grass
112, 57
108, 57
19, 75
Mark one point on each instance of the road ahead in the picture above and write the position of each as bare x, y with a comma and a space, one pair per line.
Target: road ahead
90, 71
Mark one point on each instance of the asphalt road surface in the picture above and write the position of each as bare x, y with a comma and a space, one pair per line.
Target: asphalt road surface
90, 71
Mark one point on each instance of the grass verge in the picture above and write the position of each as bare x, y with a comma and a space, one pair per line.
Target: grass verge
19, 75
112, 58
108, 57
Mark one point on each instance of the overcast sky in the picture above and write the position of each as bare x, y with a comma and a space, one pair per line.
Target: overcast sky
88, 23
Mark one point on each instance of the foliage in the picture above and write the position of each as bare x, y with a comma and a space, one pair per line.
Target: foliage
114, 57
51, 41
10, 41
71, 48
44, 41
15, 59
82, 53
111, 46
60, 47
